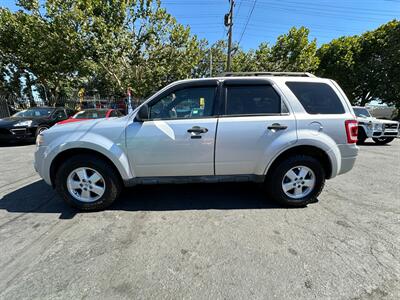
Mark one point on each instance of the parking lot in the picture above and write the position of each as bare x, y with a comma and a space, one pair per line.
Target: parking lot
203, 241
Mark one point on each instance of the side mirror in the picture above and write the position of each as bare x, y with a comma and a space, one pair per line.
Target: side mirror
143, 113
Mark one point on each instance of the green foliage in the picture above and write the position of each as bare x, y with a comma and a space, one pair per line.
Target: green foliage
107, 45
293, 52
338, 60
59, 46
366, 66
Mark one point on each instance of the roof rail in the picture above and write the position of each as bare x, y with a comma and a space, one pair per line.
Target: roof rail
294, 74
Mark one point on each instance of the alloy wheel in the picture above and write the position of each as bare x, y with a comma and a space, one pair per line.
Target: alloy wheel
86, 184
298, 182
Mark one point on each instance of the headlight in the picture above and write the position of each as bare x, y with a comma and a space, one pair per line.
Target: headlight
39, 140
24, 123
378, 126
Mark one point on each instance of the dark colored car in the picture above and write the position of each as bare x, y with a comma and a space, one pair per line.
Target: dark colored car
27, 124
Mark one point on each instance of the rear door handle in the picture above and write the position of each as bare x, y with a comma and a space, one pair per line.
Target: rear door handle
197, 129
277, 126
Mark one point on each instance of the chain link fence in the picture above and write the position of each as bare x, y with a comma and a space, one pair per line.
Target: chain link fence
9, 105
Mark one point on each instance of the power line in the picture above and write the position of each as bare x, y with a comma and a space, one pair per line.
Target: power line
238, 10
248, 19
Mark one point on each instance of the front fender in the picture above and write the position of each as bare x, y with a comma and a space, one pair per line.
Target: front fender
113, 150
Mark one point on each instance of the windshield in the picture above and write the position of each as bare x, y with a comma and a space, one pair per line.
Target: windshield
362, 112
90, 114
35, 112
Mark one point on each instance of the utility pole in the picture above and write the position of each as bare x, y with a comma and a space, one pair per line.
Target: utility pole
211, 63
229, 23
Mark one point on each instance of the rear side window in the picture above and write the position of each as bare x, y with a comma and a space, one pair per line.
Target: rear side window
252, 100
317, 97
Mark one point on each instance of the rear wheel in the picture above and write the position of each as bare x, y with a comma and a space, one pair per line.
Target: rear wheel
296, 181
383, 140
87, 183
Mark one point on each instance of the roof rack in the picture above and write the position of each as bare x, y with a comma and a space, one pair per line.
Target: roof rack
294, 74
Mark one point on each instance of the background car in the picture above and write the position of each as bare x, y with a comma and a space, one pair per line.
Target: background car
27, 124
90, 114
380, 130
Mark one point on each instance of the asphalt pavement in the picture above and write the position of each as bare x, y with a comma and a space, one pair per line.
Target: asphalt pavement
203, 241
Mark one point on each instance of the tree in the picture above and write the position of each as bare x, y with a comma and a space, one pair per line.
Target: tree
294, 52
365, 66
379, 64
115, 44
338, 60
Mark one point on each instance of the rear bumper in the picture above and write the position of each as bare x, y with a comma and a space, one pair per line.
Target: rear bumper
349, 154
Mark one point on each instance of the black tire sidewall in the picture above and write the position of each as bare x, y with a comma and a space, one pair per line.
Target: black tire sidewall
40, 129
361, 136
112, 184
275, 183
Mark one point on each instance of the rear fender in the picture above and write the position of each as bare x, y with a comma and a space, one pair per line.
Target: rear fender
309, 138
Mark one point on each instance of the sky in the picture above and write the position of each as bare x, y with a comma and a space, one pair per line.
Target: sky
326, 19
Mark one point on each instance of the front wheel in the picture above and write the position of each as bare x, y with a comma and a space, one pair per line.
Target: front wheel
87, 183
40, 129
296, 181
382, 140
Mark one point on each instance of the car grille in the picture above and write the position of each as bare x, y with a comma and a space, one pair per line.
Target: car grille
391, 126
391, 133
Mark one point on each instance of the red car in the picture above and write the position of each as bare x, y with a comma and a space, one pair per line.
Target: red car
90, 114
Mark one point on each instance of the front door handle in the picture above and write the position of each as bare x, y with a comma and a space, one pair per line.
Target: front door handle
277, 126
197, 129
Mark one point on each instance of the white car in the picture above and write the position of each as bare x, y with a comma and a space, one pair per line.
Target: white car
381, 131
289, 131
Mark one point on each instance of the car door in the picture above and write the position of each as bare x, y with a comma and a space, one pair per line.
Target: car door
254, 122
178, 139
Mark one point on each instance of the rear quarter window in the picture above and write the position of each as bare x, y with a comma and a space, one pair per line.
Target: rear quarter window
317, 97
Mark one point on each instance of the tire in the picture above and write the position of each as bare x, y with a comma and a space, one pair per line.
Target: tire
361, 136
109, 181
382, 141
40, 129
278, 177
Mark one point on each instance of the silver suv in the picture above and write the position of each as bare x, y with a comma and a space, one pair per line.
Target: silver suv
289, 131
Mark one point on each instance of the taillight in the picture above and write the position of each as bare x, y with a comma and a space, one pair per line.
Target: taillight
351, 131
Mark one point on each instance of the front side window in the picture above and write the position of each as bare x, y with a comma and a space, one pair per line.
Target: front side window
70, 112
316, 97
187, 103
60, 114
252, 100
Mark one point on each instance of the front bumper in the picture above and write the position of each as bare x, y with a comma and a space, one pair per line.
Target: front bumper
17, 134
40, 164
386, 134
